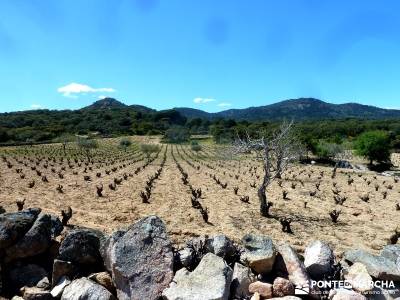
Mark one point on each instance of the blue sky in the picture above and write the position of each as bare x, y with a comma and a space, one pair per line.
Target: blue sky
207, 54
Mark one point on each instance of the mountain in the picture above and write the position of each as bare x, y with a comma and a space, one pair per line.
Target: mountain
106, 103
298, 109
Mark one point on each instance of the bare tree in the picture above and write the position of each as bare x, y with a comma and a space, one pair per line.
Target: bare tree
275, 151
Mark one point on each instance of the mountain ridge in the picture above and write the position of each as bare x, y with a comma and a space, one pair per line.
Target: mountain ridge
298, 109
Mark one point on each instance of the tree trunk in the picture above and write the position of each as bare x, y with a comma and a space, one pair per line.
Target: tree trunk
263, 201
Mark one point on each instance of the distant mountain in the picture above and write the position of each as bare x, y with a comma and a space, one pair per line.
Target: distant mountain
298, 109
106, 103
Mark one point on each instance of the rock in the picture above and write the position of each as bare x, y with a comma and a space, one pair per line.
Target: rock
35, 293
36, 241
85, 289
186, 258
58, 289
17, 298
343, 294
140, 260
209, 281
259, 253
387, 293
241, 279
2, 210
82, 247
344, 164
359, 278
27, 275
378, 266
62, 268
392, 252
13, 226
56, 227
104, 279
282, 287
44, 283
221, 246
295, 268
262, 288
107, 246
319, 259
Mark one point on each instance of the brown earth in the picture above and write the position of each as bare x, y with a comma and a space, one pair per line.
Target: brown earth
366, 225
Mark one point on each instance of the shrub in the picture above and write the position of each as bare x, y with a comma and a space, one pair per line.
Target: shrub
148, 149
177, 134
327, 150
195, 146
125, 143
373, 145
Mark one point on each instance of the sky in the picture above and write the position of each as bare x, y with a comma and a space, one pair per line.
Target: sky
206, 54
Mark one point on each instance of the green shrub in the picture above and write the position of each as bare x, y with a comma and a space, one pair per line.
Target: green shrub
373, 145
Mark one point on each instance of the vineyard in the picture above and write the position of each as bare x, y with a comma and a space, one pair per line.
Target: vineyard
200, 192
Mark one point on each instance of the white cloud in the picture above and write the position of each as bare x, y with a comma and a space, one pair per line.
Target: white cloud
73, 89
224, 104
202, 100
36, 106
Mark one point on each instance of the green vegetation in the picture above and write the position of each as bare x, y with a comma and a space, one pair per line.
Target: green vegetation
374, 145
125, 143
195, 146
328, 151
177, 134
86, 145
149, 149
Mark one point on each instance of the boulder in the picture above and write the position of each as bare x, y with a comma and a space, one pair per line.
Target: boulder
58, 289
140, 260
106, 249
36, 241
282, 287
221, 246
26, 275
56, 227
35, 293
319, 259
262, 288
82, 247
392, 252
44, 283
62, 268
259, 253
185, 258
241, 279
359, 278
85, 289
379, 267
104, 279
343, 294
256, 296
385, 293
295, 269
13, 226
209, 281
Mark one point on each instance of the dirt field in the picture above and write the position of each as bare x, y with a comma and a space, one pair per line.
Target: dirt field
361, 224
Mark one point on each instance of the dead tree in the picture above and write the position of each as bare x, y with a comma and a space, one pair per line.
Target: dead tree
275, 151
